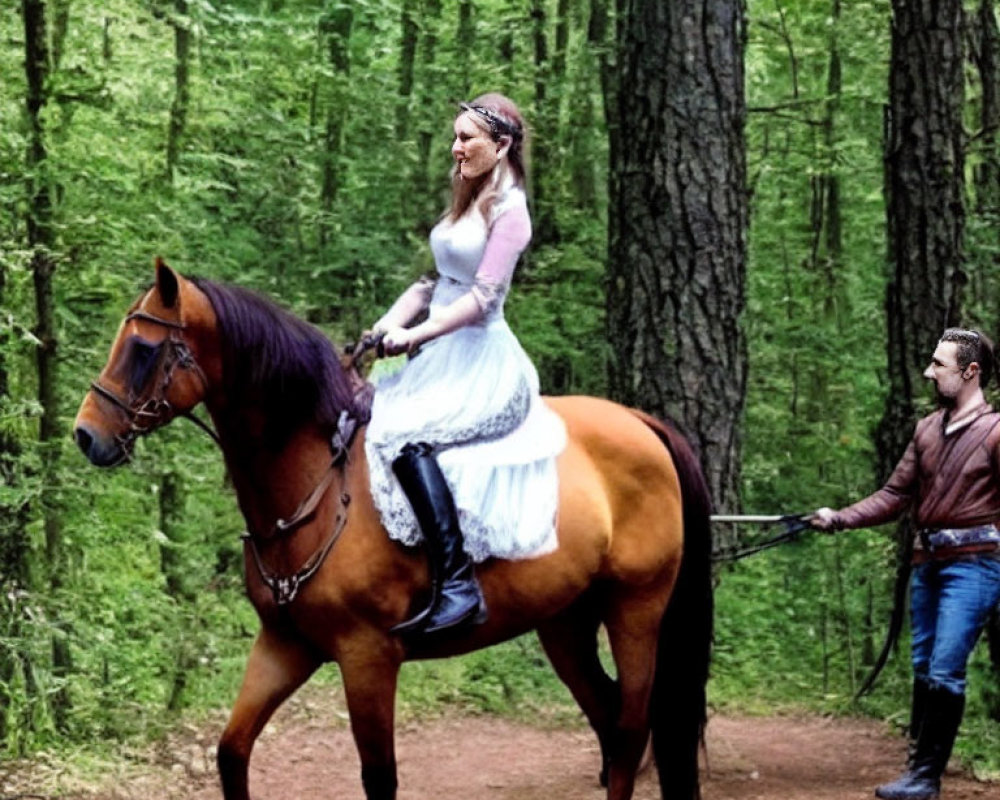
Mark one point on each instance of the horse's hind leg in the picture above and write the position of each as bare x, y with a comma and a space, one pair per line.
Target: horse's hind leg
570, 642
633, 625
275, 669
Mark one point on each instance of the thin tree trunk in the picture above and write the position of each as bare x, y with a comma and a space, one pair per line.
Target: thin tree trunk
41, 240
826, 250
581, 116
987, 184
985, 246
407, 56
546, 124
677, 223
171, 506
427, 172
336, 27
182, 94
465, 37
14, 542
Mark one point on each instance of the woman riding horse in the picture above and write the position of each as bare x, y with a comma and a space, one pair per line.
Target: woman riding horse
465, 420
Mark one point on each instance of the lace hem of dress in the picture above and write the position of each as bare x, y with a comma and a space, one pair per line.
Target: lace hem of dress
481, 540
443, 437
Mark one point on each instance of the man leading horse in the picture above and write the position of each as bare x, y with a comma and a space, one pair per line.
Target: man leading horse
950, 477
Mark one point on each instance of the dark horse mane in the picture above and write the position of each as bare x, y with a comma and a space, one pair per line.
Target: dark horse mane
281, 364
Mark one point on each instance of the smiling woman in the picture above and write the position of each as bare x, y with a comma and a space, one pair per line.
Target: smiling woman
462, 450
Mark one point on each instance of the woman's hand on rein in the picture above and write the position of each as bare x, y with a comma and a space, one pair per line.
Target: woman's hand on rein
398, 340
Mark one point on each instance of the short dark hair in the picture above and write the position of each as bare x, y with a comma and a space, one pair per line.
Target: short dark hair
973, 346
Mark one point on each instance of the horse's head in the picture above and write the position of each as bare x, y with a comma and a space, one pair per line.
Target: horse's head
155, 372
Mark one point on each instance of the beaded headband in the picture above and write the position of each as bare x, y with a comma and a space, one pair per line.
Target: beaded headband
499, 124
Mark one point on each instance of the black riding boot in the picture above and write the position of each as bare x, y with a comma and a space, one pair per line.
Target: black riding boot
918, 708
455, 594
922, 779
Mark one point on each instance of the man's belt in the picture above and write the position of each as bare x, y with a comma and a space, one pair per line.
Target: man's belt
943, 543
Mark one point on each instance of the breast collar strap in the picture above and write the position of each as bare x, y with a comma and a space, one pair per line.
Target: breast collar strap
286, 588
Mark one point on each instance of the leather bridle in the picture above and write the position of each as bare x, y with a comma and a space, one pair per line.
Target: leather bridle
147, 413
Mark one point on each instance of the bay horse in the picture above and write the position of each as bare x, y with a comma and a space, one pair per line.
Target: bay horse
328, 584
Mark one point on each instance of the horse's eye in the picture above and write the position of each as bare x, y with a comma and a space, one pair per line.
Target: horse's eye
142, 359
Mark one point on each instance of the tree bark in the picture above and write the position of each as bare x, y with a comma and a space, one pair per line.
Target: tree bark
336, 28
41, 241
177, 584
924, 165
984, 227
407, 56
465, 36
987, 185
548, 75
179, 108
677, 224
428, 177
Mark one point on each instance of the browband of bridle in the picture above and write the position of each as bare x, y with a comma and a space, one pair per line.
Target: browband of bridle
145, 315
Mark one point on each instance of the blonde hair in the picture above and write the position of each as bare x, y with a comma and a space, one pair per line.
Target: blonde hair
498, 116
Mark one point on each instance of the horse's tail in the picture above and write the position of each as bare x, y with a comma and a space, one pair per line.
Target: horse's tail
678, 705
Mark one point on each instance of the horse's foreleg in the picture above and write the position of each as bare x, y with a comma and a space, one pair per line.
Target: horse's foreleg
570, 642
633, 627
275, 669
370, 675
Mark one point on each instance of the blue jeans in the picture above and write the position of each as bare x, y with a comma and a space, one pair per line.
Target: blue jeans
950, 602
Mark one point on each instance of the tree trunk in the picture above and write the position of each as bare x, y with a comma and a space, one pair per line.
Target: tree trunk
465, 36
428, 173
549, 71
987, 185
987, 172
407, 56
41, 240
983, 235
336, 27
14, 540
924, 184
826, 247
677, 223
177, 585
179, 107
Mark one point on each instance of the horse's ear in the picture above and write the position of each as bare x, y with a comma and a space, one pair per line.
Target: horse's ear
167, 283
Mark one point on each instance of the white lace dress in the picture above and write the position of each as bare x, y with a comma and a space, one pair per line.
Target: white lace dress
473, 395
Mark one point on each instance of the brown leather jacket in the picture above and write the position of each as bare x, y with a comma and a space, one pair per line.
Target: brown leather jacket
953, 479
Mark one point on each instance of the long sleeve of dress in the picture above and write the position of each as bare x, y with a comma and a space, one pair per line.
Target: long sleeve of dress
509, 236
408, 305
888, 502
507, 239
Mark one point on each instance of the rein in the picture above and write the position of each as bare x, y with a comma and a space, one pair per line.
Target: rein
146, 415
793, 525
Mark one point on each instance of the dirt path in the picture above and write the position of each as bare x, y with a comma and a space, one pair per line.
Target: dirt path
307, 754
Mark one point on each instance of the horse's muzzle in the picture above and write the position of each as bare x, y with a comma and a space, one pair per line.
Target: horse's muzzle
100, 451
